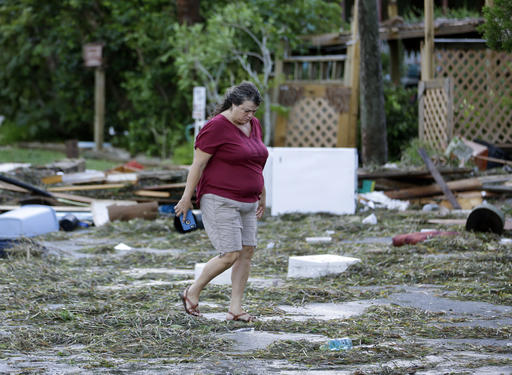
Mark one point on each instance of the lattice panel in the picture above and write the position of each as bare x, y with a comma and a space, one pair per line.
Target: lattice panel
435, 115
482, 93
312, 122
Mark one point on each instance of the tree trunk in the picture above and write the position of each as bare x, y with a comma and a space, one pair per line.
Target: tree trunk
373, 117
188, 11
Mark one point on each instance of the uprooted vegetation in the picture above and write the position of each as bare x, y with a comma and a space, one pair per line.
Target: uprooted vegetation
94, 304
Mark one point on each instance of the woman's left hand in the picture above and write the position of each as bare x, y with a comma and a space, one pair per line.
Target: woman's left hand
261, 207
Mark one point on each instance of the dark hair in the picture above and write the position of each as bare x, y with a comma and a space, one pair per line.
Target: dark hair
237, 95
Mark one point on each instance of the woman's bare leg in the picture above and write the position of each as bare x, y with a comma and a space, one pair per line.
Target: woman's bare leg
239, 276
213, 268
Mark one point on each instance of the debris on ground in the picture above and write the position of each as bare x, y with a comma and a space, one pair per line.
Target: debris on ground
105, 296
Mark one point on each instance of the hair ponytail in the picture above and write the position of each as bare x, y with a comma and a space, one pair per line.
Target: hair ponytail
237, 95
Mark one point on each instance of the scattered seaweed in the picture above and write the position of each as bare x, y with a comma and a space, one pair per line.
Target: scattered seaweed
94, 304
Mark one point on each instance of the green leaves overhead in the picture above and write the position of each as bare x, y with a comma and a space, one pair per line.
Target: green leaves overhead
498, 25
151, 62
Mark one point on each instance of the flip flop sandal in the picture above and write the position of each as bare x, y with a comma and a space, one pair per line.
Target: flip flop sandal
192, 310
238, 318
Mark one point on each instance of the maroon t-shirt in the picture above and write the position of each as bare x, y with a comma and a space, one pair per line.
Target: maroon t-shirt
235, 170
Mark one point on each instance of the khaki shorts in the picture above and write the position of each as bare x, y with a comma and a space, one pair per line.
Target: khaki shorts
229, 223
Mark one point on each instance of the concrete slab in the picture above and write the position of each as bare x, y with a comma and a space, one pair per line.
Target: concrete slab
318, 265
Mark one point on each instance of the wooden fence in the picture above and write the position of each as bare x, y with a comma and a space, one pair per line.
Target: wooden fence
482, 93
435, 100
317, 103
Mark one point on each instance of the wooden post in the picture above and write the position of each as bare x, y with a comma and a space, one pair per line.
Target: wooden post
439, 179
427, 72
99, 106
93, 57
394, 47
352, 77
278, 72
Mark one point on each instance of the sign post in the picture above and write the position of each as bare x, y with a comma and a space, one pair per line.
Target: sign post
198, 108
92, 54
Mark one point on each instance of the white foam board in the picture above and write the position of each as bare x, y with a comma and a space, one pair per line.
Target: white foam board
313, 266
312, 180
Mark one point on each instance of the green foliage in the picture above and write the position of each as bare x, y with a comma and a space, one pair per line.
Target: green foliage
48, 93
497, 28
415, 14
238, 34
151, 63
401, 117
42, 157
411, 157
183, 154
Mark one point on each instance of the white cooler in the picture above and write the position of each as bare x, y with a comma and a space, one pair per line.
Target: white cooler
28, 221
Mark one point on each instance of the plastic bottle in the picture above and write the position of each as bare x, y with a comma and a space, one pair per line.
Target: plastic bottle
344, 343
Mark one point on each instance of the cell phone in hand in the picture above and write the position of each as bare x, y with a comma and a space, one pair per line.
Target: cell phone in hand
185, 225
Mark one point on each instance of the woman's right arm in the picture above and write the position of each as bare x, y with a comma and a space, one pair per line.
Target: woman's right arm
194, 174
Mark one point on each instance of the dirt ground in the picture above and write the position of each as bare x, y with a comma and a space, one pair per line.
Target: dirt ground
72, 304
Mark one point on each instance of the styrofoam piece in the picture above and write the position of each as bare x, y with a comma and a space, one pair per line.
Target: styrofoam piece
379, 199
7, 167
311, 180
223, 279
122, 246
372, 219
28, 221
312, 266
318, 239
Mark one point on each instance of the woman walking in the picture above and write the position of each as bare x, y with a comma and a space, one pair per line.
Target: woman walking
227, 171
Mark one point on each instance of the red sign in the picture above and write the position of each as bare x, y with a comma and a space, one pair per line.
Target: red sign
92, 54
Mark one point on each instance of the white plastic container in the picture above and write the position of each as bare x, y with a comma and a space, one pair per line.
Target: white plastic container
28, 221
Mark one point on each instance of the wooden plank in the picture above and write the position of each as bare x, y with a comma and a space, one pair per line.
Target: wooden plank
56, 208
438, 178
496, 160
151, 193
73, 197
87, 187
11, 187
177, 185
397, 173
423, 191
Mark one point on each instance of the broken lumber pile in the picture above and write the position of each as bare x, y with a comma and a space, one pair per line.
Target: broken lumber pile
469, 184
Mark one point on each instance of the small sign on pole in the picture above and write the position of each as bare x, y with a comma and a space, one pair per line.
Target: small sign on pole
92, 53
198, 108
